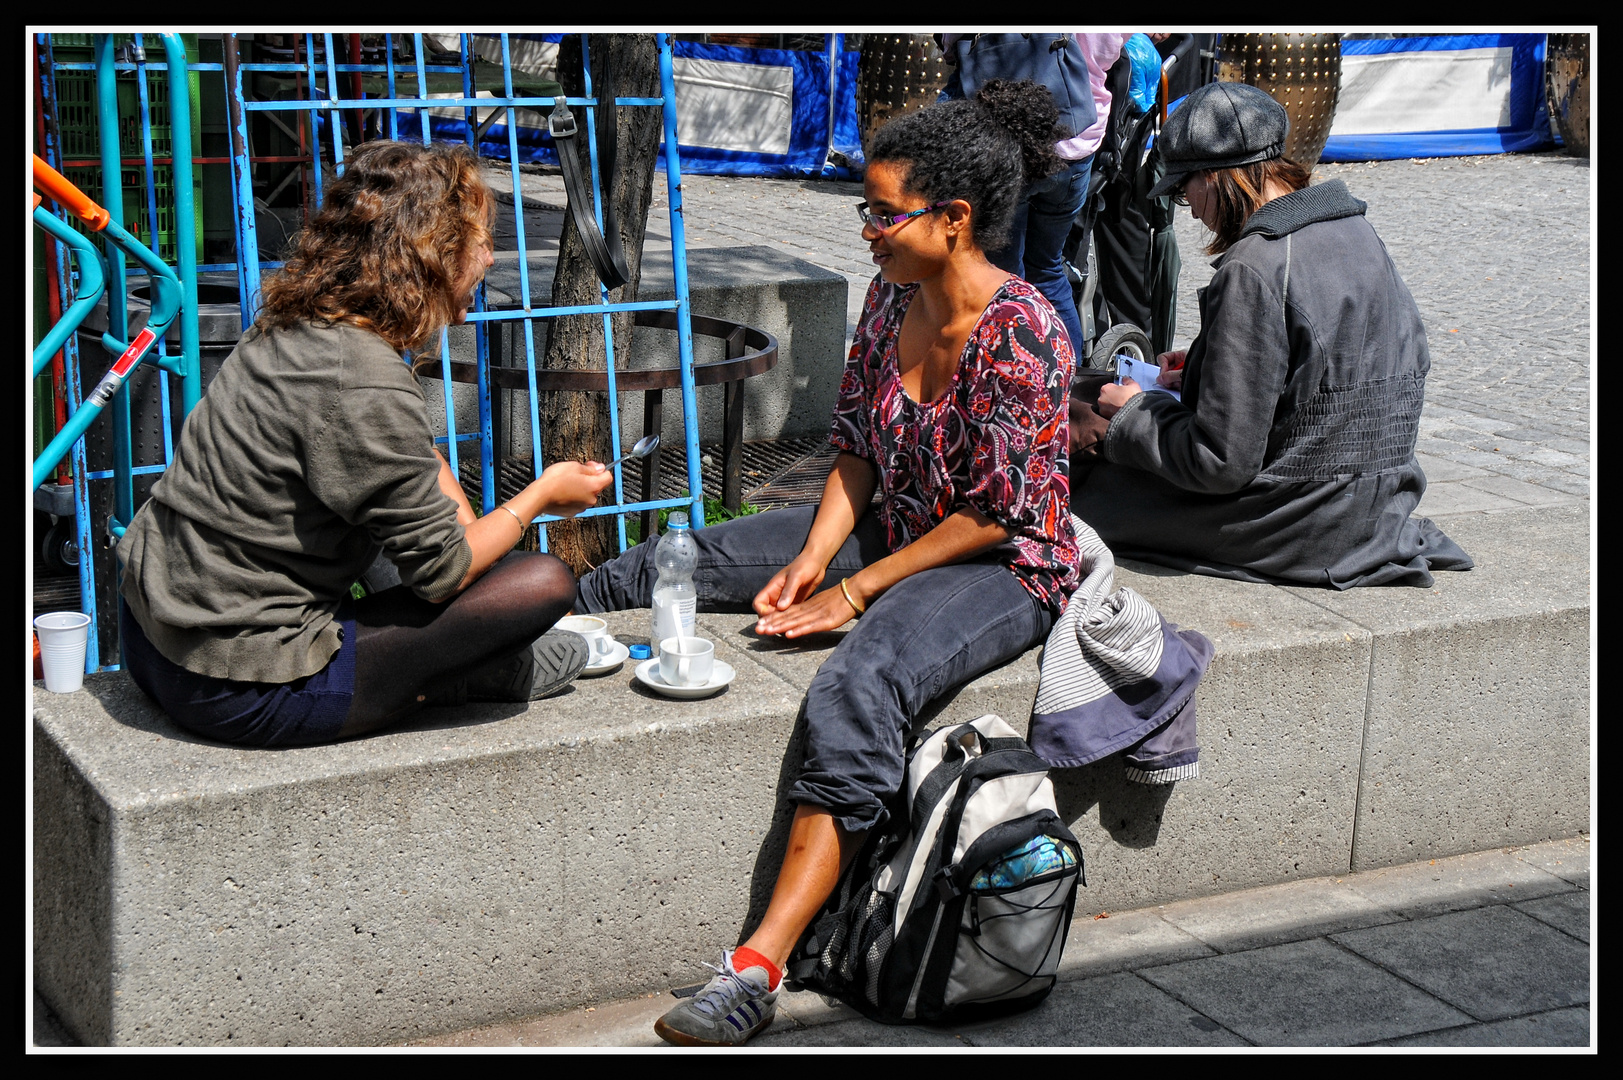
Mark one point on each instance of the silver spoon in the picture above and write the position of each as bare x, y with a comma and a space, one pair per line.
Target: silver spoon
642, 448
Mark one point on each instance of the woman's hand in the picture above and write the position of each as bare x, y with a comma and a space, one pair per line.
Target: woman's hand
568, 487
789, 586
1171, 364
1112, 396
826, 610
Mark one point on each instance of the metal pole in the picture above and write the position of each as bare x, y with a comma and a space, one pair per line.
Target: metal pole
112, 183
242, 186
679, 259
182, 148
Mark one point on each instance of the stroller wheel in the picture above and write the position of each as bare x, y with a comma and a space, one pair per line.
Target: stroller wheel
1121, 338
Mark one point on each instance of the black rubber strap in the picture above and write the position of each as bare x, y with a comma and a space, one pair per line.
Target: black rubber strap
603, 248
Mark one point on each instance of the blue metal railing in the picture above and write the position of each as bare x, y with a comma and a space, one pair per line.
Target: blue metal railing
173, 297
321, 108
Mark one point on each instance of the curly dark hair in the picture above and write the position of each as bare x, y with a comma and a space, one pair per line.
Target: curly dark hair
389, 246
985, 150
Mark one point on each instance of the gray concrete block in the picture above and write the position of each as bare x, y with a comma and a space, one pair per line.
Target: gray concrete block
1435, 886
1492, 962
1568, 913
1567, 859
477, 866
1478, 729
1558, 1027
801, 304
1450, 498
1254, 918
1280, 722
1306, 993
859, 1032
1113, 1010
1101, 942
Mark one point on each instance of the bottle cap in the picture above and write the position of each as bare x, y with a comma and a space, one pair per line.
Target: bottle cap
677, 520
640, 652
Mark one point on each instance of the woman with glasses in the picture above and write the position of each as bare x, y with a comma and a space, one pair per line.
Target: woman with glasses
952, 410
1290, 458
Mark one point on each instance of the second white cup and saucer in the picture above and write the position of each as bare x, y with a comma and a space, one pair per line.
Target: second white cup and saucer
607, 653
685, 668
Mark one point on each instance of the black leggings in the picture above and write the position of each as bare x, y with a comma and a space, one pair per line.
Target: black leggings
407, 648
398, 654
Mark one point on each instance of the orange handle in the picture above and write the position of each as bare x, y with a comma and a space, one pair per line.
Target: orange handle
71, 198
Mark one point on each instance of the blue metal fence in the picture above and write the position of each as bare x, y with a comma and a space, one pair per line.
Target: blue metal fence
322, 107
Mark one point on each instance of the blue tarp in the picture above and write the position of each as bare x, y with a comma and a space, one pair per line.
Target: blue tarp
1528, 127
815, 128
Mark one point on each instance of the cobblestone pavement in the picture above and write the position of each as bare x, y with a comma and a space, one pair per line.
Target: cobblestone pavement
1496, 250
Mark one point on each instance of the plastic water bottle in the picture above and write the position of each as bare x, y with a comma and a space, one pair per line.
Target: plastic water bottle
675, 599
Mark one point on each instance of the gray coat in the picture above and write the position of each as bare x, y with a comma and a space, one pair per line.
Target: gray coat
1291, 457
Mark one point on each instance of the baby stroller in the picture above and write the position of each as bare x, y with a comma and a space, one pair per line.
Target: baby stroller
1121, 255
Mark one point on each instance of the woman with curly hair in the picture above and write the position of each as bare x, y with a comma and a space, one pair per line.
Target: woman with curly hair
952, 408
311, 454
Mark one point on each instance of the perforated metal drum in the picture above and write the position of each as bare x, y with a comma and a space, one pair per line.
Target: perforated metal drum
896, 74
1300, 71
1567, 66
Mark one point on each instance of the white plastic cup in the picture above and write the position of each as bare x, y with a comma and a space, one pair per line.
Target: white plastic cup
595, 631
62, 639
686, 661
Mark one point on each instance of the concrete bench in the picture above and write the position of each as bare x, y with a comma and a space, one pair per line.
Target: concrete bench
498, 862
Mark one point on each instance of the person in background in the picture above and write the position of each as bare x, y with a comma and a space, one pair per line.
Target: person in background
1042, 220
1290, 458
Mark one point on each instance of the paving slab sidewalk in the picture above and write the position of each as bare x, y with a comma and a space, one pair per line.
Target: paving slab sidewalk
1490, 949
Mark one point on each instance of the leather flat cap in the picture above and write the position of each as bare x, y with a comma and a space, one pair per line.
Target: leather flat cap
1220, 125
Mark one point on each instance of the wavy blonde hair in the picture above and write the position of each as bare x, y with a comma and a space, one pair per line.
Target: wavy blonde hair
389, 246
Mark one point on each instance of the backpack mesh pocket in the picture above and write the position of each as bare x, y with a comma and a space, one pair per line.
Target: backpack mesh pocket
1009, 940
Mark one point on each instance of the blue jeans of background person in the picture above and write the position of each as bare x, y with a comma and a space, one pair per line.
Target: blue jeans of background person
1042, 221
926, 634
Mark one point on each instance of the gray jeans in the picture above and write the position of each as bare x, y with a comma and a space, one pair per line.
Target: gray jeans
927, 634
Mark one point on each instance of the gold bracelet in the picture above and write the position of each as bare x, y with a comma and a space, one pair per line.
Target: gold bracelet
509, 509
854, 605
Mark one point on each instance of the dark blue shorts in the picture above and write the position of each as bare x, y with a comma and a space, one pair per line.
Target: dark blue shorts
304, 712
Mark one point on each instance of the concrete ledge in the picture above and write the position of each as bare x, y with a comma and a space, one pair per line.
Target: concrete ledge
500, 862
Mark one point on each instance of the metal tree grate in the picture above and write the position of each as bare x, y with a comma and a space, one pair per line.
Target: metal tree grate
786, 472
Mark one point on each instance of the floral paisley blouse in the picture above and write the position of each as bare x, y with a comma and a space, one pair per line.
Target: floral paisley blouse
995, 440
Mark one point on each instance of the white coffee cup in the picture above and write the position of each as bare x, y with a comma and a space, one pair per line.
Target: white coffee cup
63, 636
596, 633
686, 661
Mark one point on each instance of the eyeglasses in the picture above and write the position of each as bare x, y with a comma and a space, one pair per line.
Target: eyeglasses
881, 222
1179, 196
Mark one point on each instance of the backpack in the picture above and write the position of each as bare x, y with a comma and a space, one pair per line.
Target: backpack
959, 905
1055, 60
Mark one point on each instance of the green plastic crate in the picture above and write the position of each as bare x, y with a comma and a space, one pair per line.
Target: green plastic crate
79, 129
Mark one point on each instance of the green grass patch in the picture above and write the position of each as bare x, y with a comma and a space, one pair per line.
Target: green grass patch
714, 511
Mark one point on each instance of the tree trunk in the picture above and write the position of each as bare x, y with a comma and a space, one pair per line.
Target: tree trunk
576, 425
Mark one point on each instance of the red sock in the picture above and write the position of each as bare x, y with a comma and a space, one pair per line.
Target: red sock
747, 958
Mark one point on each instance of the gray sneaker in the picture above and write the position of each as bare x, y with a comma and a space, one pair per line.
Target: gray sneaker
547, 665
731, 1008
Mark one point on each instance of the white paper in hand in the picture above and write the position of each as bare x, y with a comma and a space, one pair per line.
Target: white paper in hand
1143, 374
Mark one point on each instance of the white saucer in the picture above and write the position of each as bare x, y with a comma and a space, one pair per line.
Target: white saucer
648, 674
617, 656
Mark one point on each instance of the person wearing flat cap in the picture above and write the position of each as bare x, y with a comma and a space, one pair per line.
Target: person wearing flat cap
1290, 458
